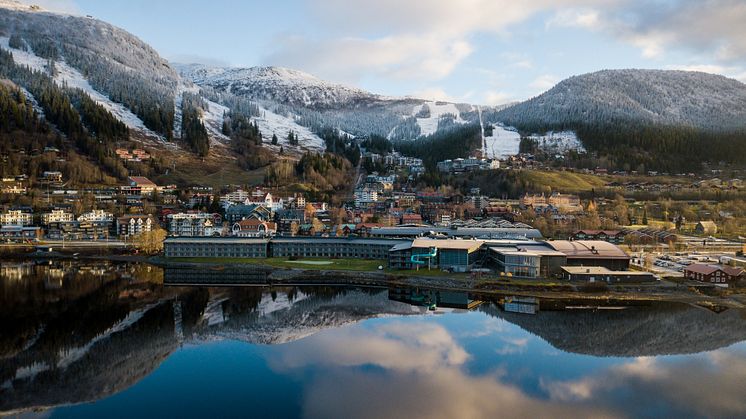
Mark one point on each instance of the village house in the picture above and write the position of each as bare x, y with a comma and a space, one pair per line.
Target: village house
16, 217
96, 216
56, 216
714, 274
706, 228
132, 225
145, 185
254, 228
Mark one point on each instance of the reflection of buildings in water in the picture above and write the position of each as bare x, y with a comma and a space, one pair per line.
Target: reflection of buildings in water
15, 271
432, 298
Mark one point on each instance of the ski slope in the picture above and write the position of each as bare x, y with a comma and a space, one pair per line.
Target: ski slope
271, 123
428, 126
503, 143
558, 141
72, 78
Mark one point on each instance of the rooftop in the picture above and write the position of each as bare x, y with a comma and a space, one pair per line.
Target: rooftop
588, 249
600, 270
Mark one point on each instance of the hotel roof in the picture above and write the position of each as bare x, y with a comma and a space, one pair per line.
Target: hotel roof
449, 244
581, 249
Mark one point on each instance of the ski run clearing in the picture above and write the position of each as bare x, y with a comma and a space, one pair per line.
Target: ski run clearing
428, 126
70, 77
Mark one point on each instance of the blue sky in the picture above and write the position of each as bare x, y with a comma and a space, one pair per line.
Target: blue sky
477, 51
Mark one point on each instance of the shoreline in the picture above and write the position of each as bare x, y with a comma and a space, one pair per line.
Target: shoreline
268, 273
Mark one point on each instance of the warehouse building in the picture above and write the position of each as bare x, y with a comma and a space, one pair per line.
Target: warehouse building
592, 253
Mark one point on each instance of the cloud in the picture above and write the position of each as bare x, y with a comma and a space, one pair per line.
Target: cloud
708, 386
544, 82
733, 72
406, 370
493, 97
588, 19
349, 59
713, 27
411, 40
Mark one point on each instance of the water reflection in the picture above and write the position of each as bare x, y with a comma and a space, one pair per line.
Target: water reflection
72, 333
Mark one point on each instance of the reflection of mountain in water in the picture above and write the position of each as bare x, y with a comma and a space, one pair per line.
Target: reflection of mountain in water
92, 335
636, 331
110, 362
98, 344
280, 320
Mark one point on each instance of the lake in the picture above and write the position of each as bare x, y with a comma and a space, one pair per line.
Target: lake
94, 340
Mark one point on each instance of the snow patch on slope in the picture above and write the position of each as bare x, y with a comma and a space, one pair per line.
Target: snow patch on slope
70, 77
212, 118
504, 142
271, 123
558, 141
428, 126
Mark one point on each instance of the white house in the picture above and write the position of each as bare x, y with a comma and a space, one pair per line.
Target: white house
16, 218
96, 216
57, 216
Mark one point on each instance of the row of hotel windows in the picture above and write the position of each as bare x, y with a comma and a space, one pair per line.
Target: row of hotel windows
278, 251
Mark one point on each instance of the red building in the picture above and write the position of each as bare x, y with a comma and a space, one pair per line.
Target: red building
715, 274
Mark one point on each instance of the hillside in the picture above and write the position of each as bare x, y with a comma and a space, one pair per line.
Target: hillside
667, 120
118, 66
694, 99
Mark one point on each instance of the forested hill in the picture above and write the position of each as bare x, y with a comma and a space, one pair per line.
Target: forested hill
113, 61
687, 98
670, 120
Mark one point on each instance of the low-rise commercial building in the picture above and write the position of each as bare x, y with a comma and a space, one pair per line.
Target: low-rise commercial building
601, 274
592, 253
450, 254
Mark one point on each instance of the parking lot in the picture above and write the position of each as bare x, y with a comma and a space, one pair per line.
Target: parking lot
673, 264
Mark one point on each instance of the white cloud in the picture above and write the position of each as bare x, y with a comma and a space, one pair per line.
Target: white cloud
544, 82
708, 386
733, 72
348, 59
714, 27
588, 19
410, 40
492, 97
418, 371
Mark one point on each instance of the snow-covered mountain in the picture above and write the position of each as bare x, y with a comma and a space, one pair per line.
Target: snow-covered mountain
315, 103
277, 84
118, 70
695, 99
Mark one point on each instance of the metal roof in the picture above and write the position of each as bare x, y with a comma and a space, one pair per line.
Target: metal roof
588, 249
452, 244
600, 270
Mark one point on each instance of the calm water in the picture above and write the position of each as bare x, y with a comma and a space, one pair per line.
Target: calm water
105, 341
